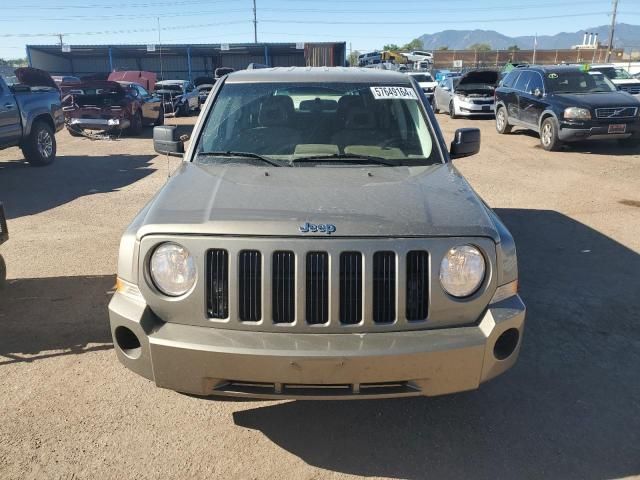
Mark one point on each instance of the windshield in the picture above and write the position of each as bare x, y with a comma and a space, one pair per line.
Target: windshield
423, 77
577, 81
169, 87
614, 73
344, 123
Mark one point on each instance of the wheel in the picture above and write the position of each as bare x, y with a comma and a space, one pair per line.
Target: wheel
40, 146
160, 120
3, 272
549, 135
183, 110
135, 128
502, 122
452, 110
434, 105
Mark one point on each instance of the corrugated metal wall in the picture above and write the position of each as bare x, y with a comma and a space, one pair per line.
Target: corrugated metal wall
53, 64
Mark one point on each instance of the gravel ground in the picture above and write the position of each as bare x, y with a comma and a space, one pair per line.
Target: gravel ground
570, 408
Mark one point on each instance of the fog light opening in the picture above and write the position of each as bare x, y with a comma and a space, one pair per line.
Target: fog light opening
506, 344
128, 342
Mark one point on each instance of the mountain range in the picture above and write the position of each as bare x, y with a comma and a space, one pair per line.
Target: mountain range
625, 36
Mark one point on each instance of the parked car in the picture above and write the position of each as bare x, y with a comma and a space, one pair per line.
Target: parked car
467, 95
620, 78
140, 77
179, 97
370, 58
419, 56
426, 82
30, 115
4, 236
111, 107
204, 85
566, 104
317, 253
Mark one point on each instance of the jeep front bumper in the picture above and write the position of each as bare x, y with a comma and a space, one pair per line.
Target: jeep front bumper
209, 361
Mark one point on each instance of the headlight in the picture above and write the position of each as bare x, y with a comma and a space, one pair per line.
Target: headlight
575, 113
462, 98
173, 269
462, 270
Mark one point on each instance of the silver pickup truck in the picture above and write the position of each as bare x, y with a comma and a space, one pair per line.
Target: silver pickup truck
30, 114
317, 242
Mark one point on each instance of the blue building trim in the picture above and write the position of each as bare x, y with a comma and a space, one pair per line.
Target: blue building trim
266, 56
29, 56
189, 63
110, 59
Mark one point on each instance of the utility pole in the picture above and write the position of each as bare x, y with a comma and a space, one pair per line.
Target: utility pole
255, 23
60, 35
612, 29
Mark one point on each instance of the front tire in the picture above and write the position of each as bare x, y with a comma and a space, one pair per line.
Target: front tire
160, 119
452, 110
502, 121
135, 128
549, 135
40, 146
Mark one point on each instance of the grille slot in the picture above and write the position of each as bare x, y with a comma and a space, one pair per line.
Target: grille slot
384, 287
417, 285
317, 292
350, 287
250, 285
283, 287
616, 112
218, 283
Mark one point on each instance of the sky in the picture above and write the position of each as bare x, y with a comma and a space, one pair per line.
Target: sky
363, 24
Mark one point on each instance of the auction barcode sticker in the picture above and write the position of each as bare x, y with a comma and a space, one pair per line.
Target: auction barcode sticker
383, 93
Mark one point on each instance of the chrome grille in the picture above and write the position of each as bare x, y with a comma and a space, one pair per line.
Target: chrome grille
384, 287
632, 89
250, 285
218, 283
283, 287
317, 291
350, 288
616, 112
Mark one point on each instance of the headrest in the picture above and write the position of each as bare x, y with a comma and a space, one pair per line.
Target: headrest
348, 102
275, 111
360, 119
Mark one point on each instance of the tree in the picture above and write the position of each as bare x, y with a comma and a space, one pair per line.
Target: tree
443, 47
513, 48
480, 47
13, 62
391, 46
353, 58
415, 44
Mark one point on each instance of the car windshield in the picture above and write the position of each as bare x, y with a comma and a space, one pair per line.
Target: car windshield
577, 81
169, 87
423, 77
305, 124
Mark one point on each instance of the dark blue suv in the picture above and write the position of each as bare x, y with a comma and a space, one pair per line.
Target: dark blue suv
566, 104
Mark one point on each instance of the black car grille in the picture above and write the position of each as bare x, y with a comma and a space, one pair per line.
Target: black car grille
482, 102
356, 289
616, 112
218, 283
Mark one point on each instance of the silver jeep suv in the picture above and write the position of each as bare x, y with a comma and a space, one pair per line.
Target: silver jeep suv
317, 242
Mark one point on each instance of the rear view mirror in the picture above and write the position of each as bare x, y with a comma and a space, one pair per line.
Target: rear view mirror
466, 142
167, 142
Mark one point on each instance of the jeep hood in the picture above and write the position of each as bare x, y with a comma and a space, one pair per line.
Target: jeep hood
34, 77
597, 100
245, 200
487, 77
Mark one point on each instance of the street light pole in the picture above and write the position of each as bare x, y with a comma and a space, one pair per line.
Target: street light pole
255, 23
612, 29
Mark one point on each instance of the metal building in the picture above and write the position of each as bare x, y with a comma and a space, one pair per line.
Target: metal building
185, 61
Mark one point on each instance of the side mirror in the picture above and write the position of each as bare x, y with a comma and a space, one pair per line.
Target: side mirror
466, 142
167, 142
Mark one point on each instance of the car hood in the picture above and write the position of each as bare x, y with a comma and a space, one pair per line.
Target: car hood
488, 77
245, 200
34, 77
428, 84
597, 100
625, 81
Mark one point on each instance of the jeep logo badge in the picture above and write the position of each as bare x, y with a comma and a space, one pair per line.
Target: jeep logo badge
307, 227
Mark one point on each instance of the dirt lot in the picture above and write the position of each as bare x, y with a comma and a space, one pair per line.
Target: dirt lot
569, 409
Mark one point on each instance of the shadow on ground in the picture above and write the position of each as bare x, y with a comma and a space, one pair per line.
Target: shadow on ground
25, 190
568, 409
49, 317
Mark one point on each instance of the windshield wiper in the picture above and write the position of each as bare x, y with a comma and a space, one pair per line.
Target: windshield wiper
241, 155
364, 159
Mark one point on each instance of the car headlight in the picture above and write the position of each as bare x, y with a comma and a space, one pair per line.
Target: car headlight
172, 269
462, 270
576, 113
462, 98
